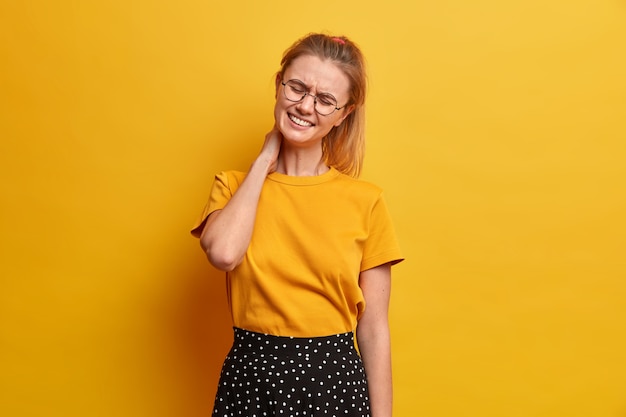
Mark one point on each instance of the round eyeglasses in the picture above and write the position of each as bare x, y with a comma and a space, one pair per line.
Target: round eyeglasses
323, 103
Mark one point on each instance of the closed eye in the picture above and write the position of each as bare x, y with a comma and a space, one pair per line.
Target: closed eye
327, 100
297, 86
298, 89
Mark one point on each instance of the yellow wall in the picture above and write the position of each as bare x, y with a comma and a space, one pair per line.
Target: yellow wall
496, 127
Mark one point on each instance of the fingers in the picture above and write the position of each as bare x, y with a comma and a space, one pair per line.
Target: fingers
271, 148
273, 135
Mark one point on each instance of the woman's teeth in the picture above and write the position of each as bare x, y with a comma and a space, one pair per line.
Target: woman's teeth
299, 122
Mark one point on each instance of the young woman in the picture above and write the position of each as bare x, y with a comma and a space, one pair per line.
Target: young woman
308, 250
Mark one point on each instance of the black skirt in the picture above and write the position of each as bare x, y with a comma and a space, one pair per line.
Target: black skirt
266, 375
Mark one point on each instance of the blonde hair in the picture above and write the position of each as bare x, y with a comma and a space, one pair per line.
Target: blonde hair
344, 146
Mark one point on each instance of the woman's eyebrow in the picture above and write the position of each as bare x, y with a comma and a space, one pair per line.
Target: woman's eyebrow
309, 88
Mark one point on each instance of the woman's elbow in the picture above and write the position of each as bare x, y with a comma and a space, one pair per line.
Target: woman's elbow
223, 264
221, 259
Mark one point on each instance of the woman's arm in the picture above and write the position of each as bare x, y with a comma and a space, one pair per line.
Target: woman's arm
374, 340
227, 232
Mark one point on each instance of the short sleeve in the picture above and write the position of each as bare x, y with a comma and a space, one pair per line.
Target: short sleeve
224, 186
381, 245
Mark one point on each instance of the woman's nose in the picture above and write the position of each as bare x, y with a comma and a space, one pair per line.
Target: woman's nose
307, 104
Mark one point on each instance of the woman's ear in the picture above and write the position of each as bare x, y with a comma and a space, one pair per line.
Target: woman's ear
349, 110
278, 80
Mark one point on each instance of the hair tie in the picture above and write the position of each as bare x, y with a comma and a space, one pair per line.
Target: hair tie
339, 40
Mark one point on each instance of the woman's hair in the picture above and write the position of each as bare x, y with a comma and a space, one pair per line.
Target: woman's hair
344, 146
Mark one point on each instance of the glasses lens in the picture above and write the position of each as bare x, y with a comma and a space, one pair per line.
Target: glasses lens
294, 91
325, 104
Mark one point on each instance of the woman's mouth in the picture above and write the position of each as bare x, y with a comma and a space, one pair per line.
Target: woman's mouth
299, 121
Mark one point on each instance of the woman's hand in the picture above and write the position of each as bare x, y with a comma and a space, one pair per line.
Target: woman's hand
271, 149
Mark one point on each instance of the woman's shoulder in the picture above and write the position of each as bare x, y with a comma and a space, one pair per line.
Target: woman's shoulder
359, 184
361, 192
230, 177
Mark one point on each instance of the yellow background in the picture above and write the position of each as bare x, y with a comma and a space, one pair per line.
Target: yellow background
497, 129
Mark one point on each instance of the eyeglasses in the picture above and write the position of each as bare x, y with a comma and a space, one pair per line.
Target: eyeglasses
323, 103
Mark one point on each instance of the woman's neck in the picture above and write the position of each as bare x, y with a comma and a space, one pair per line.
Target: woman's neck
301, 162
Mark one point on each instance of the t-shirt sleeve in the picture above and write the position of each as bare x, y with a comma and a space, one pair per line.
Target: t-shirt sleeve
381, 245
224, 186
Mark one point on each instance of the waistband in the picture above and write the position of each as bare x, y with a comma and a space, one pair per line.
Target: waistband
249, 341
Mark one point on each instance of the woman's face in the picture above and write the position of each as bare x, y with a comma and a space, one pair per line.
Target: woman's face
299, 123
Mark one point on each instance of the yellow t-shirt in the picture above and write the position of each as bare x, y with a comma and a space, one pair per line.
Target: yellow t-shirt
312, 237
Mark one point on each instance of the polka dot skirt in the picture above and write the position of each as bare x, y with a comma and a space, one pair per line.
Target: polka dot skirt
280, 376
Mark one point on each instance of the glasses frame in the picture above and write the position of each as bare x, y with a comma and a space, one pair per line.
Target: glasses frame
306, 93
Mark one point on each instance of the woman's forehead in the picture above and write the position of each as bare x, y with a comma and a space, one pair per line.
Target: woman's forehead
318, 74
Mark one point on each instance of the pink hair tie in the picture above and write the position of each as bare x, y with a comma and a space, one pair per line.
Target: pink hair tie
339, 40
